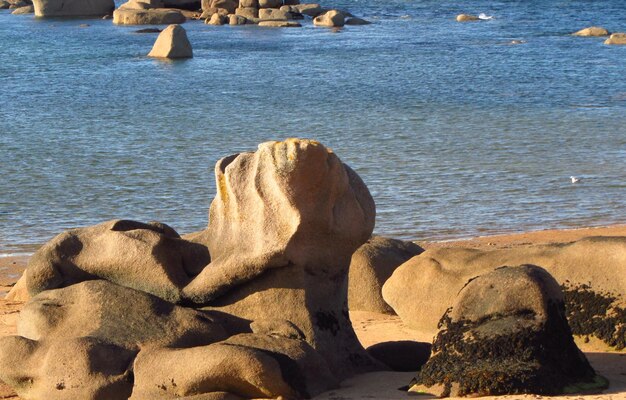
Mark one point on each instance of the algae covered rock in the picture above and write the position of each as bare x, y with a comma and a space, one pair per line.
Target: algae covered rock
420, 290
506, 334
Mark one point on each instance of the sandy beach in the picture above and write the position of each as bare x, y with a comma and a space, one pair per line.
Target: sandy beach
373, 328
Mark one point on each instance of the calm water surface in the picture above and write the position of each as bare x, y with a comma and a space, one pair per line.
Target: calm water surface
455, 131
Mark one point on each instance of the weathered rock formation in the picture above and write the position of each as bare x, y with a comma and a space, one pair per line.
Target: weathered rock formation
592, 31
371, 265
330, 19
591, 270
73, 8
279, 24
506, 334
616, 38
265, 315
172, 43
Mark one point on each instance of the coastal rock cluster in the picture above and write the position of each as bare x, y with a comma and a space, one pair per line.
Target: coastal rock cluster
255, 306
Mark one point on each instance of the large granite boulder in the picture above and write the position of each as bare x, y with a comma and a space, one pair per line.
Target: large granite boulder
72, 8
616, 38
121, 316
371, 265
259, 366
156, 16
74, 368
592, 272
264, 315
506, 334
148, 257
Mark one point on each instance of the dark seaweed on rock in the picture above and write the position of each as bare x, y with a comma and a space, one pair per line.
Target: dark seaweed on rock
591, 313
529, 361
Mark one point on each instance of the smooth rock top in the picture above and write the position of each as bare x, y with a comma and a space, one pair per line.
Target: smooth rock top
616, 38
133, 14
73, 8
506, 334
466, 18
592, 31
172, 43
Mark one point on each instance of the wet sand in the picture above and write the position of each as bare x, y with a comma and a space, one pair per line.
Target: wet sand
372, 328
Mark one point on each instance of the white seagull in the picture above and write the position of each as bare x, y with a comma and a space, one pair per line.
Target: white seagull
484, 16
574, 179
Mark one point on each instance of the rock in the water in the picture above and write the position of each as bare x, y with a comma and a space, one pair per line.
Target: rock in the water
148, 30
275, 14
506, 334
357, 21
372, 264
330, 19
280, 24
216, 19
23, 10
247, 365
270, 3
120, 316
420, 290
466, 18
403, 356
82, 368
247, 12
159, 16
172, 43
236, 20
616, 38
310, 9
592, 31
73, 8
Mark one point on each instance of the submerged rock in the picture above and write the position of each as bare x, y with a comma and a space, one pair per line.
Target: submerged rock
592, 31
616, 38
280, 24
371, 265
172, 43
506, 334
357, 21
420, 290
466, 18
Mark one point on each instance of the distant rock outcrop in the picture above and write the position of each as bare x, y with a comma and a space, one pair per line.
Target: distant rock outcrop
506, 334
592, 272
616, 38
253, 306
23, 10
127, 14
330, 19
372, 264
172, 43
73, 8
592, 31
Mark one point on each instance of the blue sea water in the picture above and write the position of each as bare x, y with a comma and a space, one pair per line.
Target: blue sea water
455, 131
